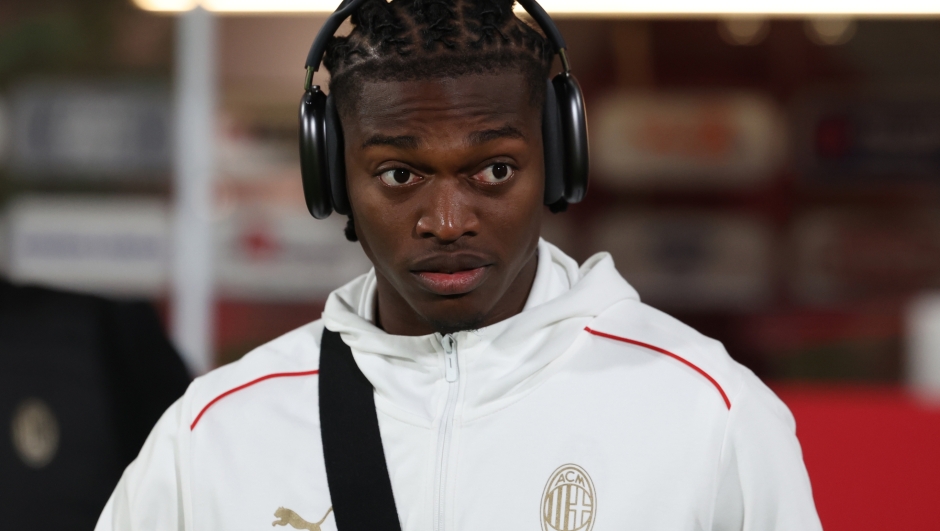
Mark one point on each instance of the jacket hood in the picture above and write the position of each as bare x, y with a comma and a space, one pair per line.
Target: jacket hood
496, 361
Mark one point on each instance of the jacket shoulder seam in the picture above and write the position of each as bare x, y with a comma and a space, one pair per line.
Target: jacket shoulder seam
663, 351
295, 353
245, 386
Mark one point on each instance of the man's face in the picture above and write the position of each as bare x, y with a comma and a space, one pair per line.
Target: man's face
445, 179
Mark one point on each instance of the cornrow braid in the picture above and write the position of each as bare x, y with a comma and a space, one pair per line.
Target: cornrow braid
438, 22
379, 30
409, 40
405, 40
485, 19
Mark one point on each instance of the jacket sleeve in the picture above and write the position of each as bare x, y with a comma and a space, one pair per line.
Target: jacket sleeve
153, 492
762, 481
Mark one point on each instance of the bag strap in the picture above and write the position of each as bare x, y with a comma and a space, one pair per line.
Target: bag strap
356, 471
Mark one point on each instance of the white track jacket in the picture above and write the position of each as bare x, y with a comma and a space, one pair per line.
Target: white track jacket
588, 411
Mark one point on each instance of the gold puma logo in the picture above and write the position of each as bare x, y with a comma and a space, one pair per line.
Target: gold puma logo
286, 516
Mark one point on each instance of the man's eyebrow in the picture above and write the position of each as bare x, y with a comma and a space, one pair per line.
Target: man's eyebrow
487, 135
401, 141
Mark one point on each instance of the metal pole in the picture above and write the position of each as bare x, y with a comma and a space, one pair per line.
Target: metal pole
194, 166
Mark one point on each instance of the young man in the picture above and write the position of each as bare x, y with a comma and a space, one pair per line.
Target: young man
515, 390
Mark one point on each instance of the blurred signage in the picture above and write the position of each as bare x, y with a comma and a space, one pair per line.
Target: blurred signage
685, 140
99, 244
90, 131
874, 139
269, 248
254, 148
691, 260
850, 255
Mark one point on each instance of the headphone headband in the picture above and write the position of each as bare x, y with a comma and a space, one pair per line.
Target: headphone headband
318, 48
564, 130
546, 23
347, 7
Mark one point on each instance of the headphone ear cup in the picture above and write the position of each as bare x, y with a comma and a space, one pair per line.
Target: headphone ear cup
574, 135
553, 147
314, 170
336, 158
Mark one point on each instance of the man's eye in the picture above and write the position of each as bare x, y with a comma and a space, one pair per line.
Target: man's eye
398, 177
495, 173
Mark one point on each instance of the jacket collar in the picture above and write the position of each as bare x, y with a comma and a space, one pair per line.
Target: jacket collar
495, 361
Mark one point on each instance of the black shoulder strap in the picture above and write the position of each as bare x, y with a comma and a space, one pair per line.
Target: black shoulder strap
356, 471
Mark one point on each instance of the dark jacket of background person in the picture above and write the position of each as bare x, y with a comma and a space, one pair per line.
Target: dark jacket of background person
82, 381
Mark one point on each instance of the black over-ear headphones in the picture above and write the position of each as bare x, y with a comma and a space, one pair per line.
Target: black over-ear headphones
564, 129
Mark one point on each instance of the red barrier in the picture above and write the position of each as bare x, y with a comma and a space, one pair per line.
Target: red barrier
873, 455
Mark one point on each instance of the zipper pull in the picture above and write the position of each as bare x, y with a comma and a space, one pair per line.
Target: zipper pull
450, 357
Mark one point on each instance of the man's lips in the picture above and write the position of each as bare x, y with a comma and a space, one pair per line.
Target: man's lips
451, 273
456, 283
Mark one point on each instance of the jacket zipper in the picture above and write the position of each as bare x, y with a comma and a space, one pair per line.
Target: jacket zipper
452, 376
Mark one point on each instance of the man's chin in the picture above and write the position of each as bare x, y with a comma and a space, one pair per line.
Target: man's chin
455, 323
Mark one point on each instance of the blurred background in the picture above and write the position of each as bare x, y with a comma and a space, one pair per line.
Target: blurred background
774, 182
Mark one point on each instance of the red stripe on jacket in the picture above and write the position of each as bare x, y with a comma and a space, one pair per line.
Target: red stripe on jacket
246, 385
666, 352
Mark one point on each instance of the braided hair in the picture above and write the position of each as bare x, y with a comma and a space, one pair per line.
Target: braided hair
410, 40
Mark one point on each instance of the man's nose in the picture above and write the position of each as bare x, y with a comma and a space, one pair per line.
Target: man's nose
448, 214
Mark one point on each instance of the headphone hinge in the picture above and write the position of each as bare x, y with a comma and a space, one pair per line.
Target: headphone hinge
563, 55
308, 80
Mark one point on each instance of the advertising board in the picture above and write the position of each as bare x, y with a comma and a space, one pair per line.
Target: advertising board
690, 259
685, 140
90, 131
98, 244
863, 139
843, 255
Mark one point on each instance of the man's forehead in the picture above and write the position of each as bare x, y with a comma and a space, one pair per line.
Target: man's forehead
477, 108
480, 96
470, 136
